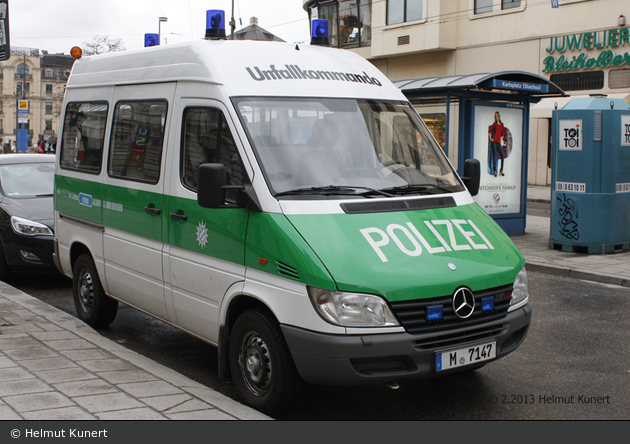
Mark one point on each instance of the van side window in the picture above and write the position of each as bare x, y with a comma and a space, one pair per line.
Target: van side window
83, 135
136, 141
207, 139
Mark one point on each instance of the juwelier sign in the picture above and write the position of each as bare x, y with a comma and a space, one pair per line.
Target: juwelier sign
609, 45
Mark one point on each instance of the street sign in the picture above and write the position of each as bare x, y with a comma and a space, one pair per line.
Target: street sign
5, 45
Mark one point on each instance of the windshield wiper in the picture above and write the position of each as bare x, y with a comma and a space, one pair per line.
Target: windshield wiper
334, 189
416, 188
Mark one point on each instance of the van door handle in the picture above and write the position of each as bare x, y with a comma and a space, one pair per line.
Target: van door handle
179, 216
153, 210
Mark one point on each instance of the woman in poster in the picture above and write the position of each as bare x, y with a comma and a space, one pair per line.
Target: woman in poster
496, 134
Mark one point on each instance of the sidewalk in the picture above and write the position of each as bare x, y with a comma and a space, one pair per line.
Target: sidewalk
55, 367
534, 244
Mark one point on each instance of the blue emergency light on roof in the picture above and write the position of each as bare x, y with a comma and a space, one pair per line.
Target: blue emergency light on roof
215, 24
151, 40
319, 33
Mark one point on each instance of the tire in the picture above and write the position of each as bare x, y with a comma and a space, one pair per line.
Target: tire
260, 363
93, 306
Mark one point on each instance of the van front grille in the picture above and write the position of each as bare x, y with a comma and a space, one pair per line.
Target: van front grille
412, 314
398, 205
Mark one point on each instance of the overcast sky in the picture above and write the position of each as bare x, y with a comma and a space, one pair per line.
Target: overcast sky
58, 25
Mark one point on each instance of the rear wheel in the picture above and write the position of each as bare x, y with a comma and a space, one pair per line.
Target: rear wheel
260, 363
93, 306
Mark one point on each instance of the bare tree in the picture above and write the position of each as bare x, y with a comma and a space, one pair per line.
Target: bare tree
102, 44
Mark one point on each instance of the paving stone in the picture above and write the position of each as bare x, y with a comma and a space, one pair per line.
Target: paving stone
201, 415
141, 414
189, 406
150, 388
38, 401
5, 362
61, 414
108, 402
16, 343
104, 365
54, 335
47, 364
126, 376
32, 353
8, 414
23, 387
92, 354
14, 374
86, 387
162, 403
65, 375
69, 344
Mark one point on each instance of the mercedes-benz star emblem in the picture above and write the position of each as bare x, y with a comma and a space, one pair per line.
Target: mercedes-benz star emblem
463, 302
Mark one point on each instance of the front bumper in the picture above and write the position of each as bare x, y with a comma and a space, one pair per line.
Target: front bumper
381, 358
25, 253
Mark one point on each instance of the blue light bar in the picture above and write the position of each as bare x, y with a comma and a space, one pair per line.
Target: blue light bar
487, 303
319, 33
434, 312
151, 40
215, 24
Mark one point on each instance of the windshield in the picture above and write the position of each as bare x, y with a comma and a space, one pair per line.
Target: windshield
344, 146
27, 179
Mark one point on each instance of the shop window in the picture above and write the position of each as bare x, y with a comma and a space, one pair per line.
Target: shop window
137, 139
619, 78
579, 81
400, 11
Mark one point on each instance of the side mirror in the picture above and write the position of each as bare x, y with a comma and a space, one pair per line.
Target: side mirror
212, 180
472, 175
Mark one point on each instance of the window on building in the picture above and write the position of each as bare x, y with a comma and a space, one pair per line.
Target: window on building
486, 6
48, 125
349, 21
49, 73
83, 135
49, 88
137, 139
207, 139
579, 81
619, 78
22, 69
48, 108
399, 11
508, 4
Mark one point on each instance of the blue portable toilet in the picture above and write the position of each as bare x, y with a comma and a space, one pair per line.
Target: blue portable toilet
590, 192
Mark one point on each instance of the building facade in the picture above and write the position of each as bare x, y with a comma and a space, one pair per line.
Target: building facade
39, 79
583, 46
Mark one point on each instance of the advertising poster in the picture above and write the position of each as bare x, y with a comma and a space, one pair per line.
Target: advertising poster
498, 144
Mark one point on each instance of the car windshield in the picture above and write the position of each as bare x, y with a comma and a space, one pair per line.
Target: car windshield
328, 147
27, 179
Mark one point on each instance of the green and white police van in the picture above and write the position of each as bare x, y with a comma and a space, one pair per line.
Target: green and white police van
286, 204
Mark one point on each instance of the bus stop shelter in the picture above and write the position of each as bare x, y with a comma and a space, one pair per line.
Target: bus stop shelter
460, 111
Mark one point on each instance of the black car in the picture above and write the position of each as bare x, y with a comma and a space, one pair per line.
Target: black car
26, 213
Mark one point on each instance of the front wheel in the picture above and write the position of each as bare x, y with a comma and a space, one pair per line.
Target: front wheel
93, 306
260, 363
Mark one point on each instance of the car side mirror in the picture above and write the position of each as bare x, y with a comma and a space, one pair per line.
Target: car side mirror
212, 180
472, 176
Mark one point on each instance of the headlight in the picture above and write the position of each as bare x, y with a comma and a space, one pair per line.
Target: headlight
520, 293
351, 309
29, 228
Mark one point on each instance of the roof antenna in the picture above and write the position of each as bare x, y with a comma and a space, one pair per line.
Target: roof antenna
297, 48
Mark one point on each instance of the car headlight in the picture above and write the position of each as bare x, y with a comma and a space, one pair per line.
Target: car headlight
29, 228
520, 294
351, 309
